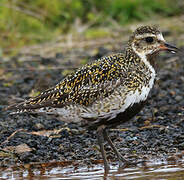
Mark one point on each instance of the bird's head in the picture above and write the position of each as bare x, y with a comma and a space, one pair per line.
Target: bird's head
147, 40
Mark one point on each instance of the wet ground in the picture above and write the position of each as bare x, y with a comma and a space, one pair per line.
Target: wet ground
150, 171
157, 132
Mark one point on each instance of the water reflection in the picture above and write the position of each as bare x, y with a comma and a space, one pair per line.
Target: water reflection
67, 170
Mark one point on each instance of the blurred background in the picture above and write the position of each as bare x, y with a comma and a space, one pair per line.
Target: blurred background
28, 22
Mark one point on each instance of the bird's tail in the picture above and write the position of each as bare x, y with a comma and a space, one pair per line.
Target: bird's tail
24, 106
45, 99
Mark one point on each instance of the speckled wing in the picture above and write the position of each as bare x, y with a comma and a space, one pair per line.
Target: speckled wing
89, 83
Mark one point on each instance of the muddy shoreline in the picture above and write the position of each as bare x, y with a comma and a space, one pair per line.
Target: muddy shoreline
157, 131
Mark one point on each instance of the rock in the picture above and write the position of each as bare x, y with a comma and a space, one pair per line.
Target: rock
178, 98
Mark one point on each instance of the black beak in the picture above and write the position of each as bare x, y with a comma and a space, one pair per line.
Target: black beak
168, 47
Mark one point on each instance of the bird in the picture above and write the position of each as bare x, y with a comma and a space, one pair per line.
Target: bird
106, 92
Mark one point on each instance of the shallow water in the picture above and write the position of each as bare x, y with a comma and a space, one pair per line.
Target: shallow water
152, 170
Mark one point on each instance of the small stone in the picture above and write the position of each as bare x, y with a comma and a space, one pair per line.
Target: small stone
22, 148
172, 158
59, 55
181, 146
178, 98
39, 126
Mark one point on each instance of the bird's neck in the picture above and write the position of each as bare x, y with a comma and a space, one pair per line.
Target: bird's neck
142, 65
131, 55
147, 59
152, 59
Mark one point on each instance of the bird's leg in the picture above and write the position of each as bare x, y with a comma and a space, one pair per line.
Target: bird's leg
120, 157
100, 134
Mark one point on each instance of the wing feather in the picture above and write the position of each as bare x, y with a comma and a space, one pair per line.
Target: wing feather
85, 86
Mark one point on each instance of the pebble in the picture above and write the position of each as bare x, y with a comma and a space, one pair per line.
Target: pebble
178, 98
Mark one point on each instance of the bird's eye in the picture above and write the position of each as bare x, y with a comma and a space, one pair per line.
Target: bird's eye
149, 39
